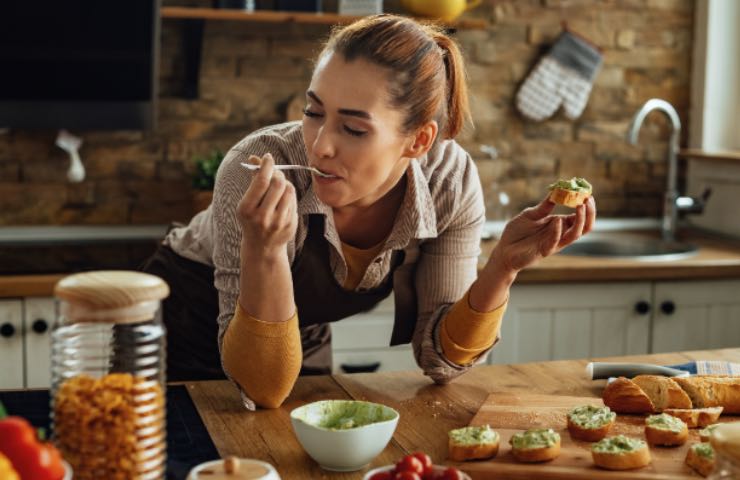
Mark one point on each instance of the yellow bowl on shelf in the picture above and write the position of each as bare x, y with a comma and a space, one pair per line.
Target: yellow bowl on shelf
445, 10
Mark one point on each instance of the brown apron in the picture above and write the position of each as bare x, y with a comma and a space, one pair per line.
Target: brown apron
190, 312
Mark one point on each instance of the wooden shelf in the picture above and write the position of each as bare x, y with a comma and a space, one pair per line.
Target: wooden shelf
268, 16
727, 156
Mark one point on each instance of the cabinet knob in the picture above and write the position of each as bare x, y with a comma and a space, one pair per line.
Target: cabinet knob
642, 307
39, 326
668, 307
7, 330
361, 368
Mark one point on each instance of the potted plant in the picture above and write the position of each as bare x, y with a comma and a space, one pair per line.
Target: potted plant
205, 178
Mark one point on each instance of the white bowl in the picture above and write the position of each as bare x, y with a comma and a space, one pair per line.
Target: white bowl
249, 466
388, 468
325, 430
67, 470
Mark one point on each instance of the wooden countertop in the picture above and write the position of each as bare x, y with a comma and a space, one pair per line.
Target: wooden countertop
427, 411
716, 258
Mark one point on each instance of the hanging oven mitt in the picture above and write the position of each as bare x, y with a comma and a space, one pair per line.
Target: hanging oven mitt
564, 75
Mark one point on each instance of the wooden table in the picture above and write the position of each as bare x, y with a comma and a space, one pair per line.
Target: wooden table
427, 411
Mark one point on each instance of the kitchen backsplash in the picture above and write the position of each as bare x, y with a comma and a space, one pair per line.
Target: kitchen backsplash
250, 72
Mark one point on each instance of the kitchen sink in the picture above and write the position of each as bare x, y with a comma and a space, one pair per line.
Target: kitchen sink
633, 246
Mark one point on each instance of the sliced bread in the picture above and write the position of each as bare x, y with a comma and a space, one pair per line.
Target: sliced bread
590, 423
535, 445
620, 453
713, 391
664, 392
665, 430
700, 457
696, 417
625, 396
472, 443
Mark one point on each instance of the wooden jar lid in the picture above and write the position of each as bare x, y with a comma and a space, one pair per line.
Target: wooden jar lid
110, 289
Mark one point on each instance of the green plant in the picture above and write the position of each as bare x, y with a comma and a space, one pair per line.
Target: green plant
205, 170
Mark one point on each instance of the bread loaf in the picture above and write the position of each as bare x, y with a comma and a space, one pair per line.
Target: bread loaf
696, 417
624, 396
713, 391
664, 392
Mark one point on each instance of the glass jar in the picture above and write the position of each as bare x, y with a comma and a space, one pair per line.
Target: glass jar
725, 440
108, 375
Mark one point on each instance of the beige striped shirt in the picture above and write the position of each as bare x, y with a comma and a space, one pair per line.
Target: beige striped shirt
438, 226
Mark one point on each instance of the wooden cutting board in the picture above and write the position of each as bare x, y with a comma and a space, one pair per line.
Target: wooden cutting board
509, 414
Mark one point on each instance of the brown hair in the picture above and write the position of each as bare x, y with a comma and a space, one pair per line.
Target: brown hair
427, 69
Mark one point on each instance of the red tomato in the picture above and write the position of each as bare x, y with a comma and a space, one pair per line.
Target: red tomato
410, 463
383, 476
425, 460
451, 473
407, 475
431, 475
30, 458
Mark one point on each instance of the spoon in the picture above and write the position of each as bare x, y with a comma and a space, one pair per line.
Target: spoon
251, 166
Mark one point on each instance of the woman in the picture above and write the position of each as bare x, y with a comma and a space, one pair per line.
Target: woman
403, 211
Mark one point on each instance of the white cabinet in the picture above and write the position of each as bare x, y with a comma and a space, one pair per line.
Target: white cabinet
11, 344
360, 342
563, 321
696, 315
38, 319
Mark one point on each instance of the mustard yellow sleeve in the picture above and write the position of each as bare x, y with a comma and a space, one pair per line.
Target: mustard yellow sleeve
466, 333
264, 358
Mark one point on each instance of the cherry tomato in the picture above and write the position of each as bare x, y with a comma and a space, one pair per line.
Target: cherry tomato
410, 463
30, 458
451, 473
383, 476
425, 460
431, 475
407, 475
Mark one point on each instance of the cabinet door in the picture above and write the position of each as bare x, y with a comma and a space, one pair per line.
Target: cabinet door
38, 318
696, 315
562, 321
11, 344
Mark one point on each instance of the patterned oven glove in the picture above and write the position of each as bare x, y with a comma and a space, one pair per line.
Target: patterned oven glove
564, 75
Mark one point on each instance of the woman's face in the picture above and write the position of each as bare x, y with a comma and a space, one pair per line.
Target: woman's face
351, 131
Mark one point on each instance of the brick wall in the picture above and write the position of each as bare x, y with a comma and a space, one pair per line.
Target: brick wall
250, 72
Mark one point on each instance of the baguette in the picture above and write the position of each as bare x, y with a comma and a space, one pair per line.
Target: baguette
590, 423
700, 457
696, 417
571, 193
472, 443
713, 391
665, 430
624, 396
535, 445
620, 453
663, 392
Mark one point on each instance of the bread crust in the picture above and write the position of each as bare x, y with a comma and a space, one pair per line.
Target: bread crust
713, 391
696, 417
569, 198
481, 451
702, 465
622, 461
534, 455
666, 438
624, 396
664, 392
588, 434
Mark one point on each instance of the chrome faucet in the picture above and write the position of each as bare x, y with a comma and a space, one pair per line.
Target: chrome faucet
672, 202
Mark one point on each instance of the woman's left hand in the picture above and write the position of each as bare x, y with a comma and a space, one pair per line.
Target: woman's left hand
535, 234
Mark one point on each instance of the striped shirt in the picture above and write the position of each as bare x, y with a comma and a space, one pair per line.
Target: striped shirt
438, 226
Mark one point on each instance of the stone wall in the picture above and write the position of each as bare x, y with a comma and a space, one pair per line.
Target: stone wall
250, 72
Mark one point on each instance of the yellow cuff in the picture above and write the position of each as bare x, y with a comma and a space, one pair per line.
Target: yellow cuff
466, 333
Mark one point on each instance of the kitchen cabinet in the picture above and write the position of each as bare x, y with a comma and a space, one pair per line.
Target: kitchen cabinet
579, 320
25, 342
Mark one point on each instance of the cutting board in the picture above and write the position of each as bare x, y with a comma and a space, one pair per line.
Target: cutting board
509, 414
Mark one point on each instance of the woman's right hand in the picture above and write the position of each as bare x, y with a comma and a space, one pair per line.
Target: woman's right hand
267, 211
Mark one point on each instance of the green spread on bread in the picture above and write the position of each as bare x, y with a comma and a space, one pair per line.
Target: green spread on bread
704, 450
591, 416
618, 444
473, 435
665, 422
707, 431
535, 438
575, 184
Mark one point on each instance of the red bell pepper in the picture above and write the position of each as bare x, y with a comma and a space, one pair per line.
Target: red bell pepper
33, 460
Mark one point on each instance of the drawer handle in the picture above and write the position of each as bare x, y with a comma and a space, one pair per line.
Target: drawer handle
668, 307
360, 368
642, 307
39, 326
7, 330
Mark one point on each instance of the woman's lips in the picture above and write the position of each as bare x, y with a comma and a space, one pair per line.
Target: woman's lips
328, 172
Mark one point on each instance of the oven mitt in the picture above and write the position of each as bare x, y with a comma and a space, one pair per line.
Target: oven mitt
563, 76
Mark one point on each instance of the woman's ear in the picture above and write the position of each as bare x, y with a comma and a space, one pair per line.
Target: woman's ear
422, 140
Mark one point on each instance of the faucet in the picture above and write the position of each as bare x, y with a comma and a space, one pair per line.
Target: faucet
672, 202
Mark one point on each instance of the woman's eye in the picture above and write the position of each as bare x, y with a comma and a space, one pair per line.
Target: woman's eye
352, 131
311, 114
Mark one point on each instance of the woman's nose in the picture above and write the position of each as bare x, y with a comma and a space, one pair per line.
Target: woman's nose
323, 145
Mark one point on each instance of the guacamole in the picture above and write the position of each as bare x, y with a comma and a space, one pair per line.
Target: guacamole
575, 184
618, 444
591, 416
704, 450
535, 438
473, 435
665, 422
345, 414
